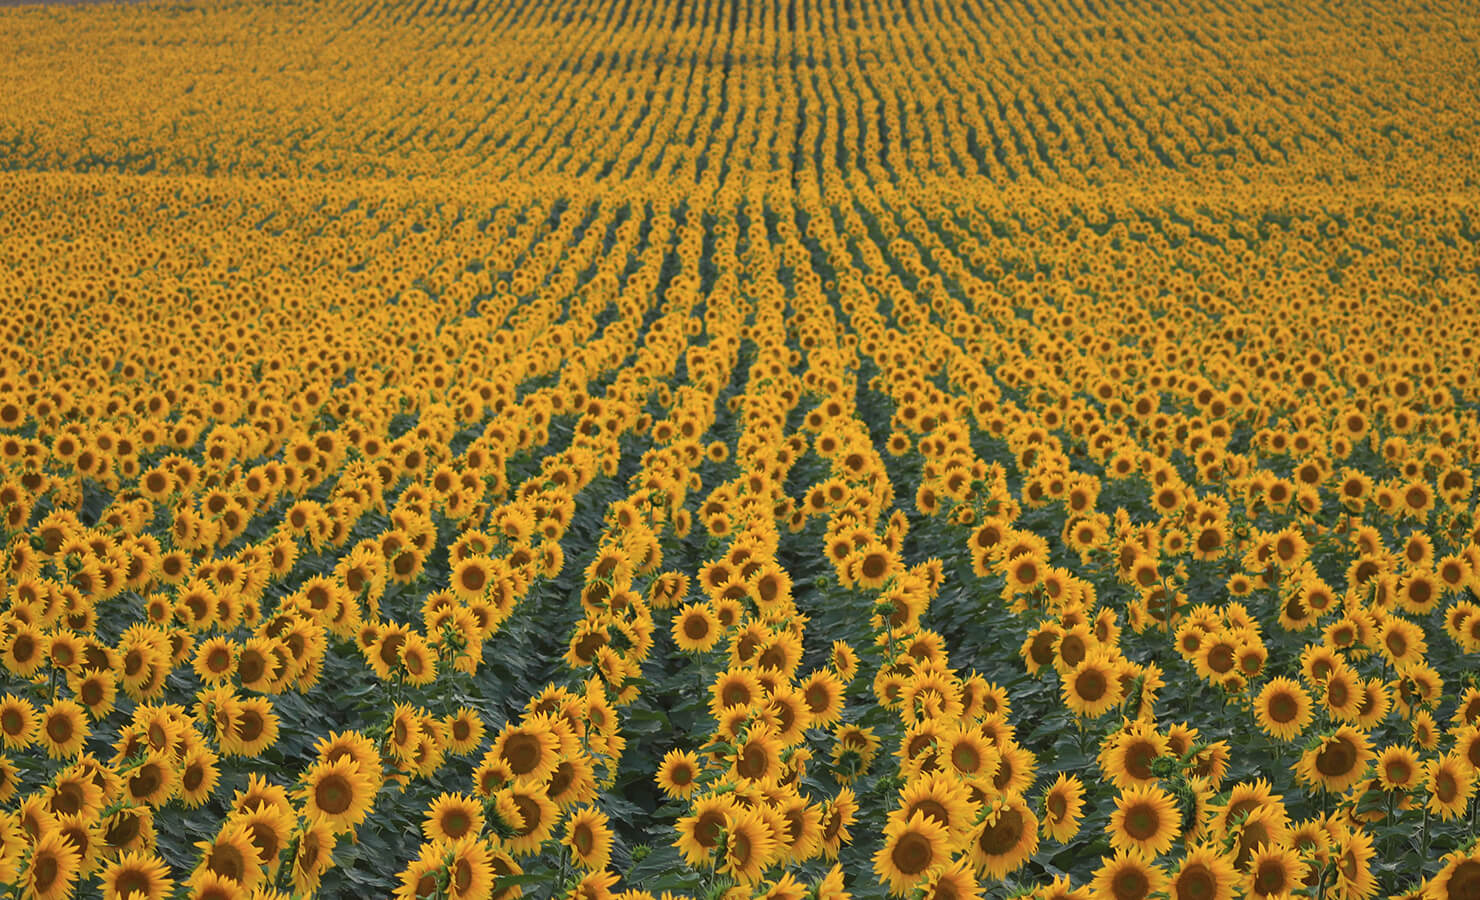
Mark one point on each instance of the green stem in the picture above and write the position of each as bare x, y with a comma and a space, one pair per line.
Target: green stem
703, 681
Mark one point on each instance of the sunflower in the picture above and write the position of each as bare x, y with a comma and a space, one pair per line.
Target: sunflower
953, 882
969, 753
470, 867
352, 745
1127, 876
1342, 693
1205, 874
782, 653
1006, 837
595, 886
844, 660
943, 798
314, 854
64, 649
1126, 756
1416, 500
1093, 687
231, 855
1375, 703
85, 834
1266, 825
1401, 641
757, 758
1337, 760
1467, 746
18, 722
129, 829
531, 749
426, 751
1449, 783
931, 695
786, 711
678, 774
1211, 763
696, 628
1063, 804
1283, 709
1251, 658
1061, 887
464, 730
871, 566
1217, 656
13, 840
96, 690
572, 782
452, 816
1419, 688
1458, 879
1038, 649
467, 864
772, 587
1352, 852
1274, 872
267, 826
1317, 662
981, 698
1345, 634
215, 660
418, 660
888, 685
339, 791
1146, 819
1312, 839
537, 814
25, 649
1015, 769
746, 643
74, 790
750, 845
699, 832
152, 782
911, 849
734, 688
252, 726
1072, 646
823, 691
588, 834
52, 869
259, 792
799, 835
1397, 767
10, 780
63, 729
136, 875
382, 648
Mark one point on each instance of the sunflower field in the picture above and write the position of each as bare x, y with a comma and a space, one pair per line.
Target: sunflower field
811, 449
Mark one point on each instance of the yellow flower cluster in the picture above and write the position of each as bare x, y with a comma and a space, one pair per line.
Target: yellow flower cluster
752, 450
